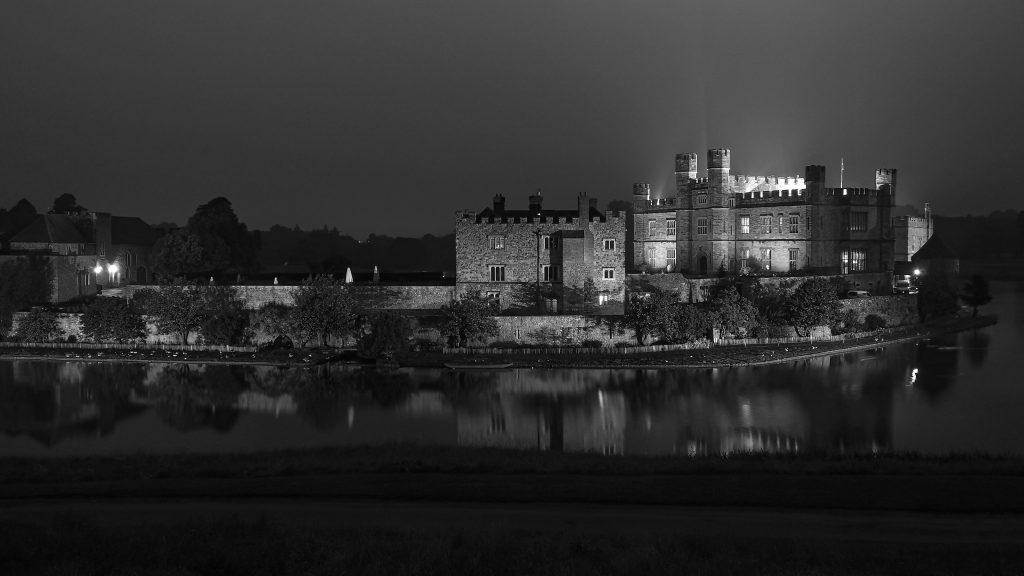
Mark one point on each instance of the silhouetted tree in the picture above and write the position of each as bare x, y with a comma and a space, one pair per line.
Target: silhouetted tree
226, 321
467, 318
178, 308
66, 204
24, 281
226, 243
813, 303
178, 253
324, 307
22, 214
976, 293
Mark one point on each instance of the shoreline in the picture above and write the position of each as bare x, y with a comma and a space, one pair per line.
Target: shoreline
728, 356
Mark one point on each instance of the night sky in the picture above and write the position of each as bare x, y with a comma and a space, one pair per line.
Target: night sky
388, 116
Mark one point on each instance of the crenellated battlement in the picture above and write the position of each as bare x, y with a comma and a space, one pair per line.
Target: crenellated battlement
471, 217
788, 196
855, 192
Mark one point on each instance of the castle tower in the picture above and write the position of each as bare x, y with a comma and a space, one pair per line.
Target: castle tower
814, 178
718, 175
686, 170
885, 179
641, 194
535, 202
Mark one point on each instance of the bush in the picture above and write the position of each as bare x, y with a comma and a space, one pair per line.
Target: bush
112, 320
591, 344
390, 333
874, 322
850, 320
505, 344
39, 325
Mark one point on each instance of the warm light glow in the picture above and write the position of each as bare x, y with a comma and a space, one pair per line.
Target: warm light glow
98, 269
113, 268
917, 271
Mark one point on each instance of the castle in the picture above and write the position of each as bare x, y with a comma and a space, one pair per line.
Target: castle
542, 259
737, 224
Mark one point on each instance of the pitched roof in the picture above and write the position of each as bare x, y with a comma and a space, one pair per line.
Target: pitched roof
131, 230
51, 229
933, 249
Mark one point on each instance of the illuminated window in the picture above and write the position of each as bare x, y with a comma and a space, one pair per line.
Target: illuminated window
551, 305
766, 224
745, 255
858, 221
602, 299
766, 258
670, 227
608, 273
794, 223
609, 244
702, 225
497, 273
651, 227
744, 224
670, 257
794, 258
854, 261
496, 242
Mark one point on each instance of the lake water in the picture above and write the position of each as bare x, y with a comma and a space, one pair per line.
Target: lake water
960, 392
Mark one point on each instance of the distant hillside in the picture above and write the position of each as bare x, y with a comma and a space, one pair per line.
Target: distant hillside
998, 235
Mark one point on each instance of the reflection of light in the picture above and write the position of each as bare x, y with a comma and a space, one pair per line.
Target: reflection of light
913, 377
351, 416
600, 399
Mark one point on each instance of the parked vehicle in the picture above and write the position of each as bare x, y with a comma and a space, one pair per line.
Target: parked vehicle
858, 294
904, 287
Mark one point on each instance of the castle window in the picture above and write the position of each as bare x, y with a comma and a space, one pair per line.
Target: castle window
766, 224
608, 273
702, 199
766, 259
497, 273
602, 299
702, 225
794, 259
854, 261
494, 299
608, 244
551, 305
745, 255
549, 272
496, 242
858, 221
651, 228
546, 242
670, 227
670, 258
732, 201
744, 224
794, 223
651, 253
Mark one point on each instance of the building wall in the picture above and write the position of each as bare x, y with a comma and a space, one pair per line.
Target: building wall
523, 256
389, 297
910, 235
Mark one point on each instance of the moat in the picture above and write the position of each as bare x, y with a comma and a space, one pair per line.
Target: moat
954, 393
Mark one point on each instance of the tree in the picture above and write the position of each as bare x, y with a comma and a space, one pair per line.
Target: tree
467, 318
273, 319
732, 313
642, 315
813, 303
324, 307
389, 334
39, 325
936, 298
22, 214
685, 323
24, 281
226, 243
112, 320
226, 321
177, 253
66, 204
178, 308
588, 296
976, 293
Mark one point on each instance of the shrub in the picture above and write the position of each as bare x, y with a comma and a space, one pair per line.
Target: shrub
226, 320
112, 320
874, 322
591, 344
505, 344
850, 320
39, 325
390, 333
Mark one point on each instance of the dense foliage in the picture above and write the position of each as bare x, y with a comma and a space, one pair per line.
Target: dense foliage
24, 281
178, 308
324, 307
732, 313
467, 318
226, 321
390, 333
112, 320
976, 293
39, 325
813, 303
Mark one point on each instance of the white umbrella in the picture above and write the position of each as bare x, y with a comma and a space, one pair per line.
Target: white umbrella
348, 275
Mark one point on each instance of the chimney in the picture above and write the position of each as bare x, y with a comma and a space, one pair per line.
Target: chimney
499, 203
535, 202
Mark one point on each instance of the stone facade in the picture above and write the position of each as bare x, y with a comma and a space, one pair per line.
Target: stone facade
510, 255
911, 233
782, 224
390, 297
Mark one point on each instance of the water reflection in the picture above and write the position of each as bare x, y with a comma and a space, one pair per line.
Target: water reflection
893, 397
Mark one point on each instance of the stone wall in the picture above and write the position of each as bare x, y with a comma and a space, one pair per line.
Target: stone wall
897, 310
390, 297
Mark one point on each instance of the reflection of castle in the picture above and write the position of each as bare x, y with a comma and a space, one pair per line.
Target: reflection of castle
592, 422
